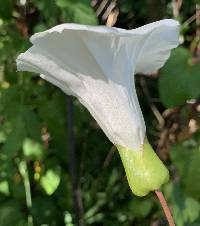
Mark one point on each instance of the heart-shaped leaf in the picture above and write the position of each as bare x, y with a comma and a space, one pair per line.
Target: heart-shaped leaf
179, 79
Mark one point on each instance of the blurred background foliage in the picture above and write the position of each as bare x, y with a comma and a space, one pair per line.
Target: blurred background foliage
36, 170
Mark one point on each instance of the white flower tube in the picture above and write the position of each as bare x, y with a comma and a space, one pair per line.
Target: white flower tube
97, 64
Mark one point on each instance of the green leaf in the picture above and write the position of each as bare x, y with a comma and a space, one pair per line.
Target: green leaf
10, 100
186, 210
84, 14
7, 169
192, 179
6, 9
17, 188
50, 180
44, 211
179, 79
49, 11
77, 11
40, 27
178, 205
2, 137
32, 124
32, 150
4, 187
15, 139
192, 210
10, 214
53, 113
68, 219
140, 207
186, 158
180, 156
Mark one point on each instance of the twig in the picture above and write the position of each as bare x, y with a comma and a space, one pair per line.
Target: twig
77, 201
101, 7
165, 207
176, 5
198, 31
109, 157
189, 20
108, 10
112, 18
198, 18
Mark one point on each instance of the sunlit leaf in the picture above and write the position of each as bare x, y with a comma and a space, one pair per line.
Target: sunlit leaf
32, 150
4, 187
50, 180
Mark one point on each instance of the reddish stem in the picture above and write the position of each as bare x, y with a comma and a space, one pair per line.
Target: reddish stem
165, 208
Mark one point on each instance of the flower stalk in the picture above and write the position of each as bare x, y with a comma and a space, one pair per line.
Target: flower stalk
165, 207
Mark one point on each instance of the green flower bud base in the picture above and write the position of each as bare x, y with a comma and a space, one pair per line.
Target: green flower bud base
144, 170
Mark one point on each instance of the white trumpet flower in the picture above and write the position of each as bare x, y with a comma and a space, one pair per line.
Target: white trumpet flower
97, 65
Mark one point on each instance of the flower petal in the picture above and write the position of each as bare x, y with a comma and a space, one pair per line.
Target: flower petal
96, 64
37, 60
156, 47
